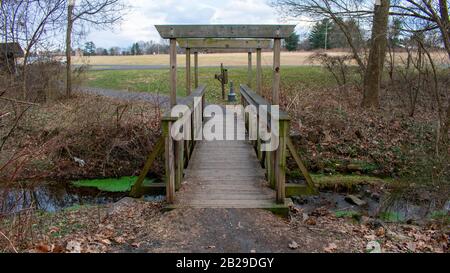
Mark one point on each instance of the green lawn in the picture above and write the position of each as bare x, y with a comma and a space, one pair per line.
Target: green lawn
156, 81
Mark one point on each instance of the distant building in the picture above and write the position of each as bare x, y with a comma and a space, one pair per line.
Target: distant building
9, 52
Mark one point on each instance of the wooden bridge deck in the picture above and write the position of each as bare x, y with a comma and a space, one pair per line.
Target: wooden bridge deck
225, 174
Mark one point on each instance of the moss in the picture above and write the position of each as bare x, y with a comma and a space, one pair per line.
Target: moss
322, 180
348, 214
123, 184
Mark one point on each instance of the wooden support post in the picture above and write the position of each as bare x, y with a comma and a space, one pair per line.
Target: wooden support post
276, 72
280, 163
173, 72
179, 163
188, 72
269, 168
169, 162
196, 69
259, 71
250, 76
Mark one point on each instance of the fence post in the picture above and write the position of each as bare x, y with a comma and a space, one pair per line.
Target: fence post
169, 162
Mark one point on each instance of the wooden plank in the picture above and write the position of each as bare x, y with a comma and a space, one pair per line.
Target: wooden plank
173, 72
225, 43
225, 31
300, 164
136, 191
276, 72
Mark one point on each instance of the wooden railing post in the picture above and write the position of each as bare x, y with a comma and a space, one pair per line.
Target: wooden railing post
188, 72
259, 71
280, 162
250, 73
179, 163
173, 72
169, 162
196, 69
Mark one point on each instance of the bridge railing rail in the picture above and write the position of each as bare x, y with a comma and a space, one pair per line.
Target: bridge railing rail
180, 141
273, 161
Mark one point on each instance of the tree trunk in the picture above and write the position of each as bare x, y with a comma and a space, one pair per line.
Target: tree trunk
377, 55
69, 48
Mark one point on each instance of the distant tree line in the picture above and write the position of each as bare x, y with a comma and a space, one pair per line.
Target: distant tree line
138, 48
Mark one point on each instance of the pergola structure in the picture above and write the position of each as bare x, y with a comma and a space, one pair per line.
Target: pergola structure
223, 37
245, 44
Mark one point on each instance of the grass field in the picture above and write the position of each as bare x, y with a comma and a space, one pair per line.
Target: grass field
156, 81
229, 59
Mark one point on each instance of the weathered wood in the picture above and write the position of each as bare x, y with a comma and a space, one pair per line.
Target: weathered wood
259, 72
300, 164
225, 174
276, 72
280, 162
179, 163
136, 191
196, 69
225, 31
170, 163
188, 72
250, 70
225, 43
173, 72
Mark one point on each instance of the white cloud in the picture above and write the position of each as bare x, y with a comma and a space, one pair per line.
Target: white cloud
138, 24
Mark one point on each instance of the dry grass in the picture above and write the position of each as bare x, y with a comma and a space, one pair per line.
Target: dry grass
230, 59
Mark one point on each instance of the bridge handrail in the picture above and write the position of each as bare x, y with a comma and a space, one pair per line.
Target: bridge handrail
251, 97
178, 153
274, 162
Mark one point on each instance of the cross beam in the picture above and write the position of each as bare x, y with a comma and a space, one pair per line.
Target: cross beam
225, 31
225, 43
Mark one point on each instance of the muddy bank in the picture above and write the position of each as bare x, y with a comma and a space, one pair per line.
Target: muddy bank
56, 196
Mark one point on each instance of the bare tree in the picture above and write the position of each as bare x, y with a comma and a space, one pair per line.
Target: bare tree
377, 55
425, 15
30, 23
89, 13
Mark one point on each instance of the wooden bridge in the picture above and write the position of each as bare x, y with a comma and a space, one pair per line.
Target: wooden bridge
226, 173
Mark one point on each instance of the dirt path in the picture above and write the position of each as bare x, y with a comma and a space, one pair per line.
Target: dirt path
126, 95
217, 230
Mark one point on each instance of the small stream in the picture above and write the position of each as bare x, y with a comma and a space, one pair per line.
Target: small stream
54, 196
376, 205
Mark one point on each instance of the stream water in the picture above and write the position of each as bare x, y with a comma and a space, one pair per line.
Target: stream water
55, 196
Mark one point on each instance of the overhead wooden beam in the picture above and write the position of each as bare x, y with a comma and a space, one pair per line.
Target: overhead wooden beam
225, 31
225, 43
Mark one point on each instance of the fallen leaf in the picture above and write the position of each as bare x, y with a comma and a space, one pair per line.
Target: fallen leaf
330, 248
293, 245
73, 247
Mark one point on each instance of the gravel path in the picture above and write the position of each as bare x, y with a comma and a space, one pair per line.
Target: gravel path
163, 100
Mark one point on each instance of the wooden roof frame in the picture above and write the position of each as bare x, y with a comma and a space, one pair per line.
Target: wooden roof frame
213, 43
225, 31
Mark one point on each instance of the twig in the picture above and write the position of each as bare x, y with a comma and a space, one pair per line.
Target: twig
9, 241
20, 101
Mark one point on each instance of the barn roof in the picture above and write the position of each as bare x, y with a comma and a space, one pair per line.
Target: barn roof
13, 48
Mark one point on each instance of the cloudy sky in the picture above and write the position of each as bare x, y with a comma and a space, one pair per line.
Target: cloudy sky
138, 24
